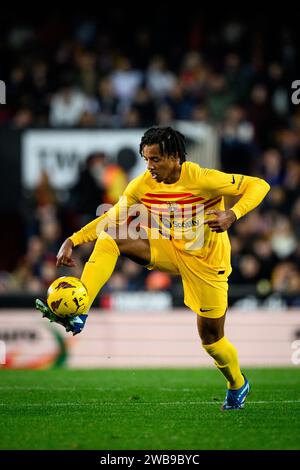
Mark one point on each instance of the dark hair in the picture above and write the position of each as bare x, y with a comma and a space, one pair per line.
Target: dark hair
170, 141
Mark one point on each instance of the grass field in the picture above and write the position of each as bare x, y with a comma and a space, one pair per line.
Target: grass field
146, 409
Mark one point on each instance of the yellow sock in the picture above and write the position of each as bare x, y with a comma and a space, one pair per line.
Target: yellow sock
226, 360
100, 265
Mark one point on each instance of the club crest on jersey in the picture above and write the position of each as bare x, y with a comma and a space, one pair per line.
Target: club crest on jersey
173, 207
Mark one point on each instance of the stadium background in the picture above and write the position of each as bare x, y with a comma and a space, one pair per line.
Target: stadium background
79, 95
81, 87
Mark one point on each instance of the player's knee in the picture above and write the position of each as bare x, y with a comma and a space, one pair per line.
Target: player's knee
210, 330
124, 245
136, 248
210, 337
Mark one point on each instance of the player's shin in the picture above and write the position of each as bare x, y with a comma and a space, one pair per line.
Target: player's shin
100, 265
226, 360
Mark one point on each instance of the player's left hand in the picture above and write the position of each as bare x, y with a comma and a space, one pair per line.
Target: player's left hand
222, 220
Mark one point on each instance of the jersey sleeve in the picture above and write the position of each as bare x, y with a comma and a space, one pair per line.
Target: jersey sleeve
251, 189
116, 215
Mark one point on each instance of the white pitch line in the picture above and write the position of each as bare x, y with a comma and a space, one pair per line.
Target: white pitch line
93, 389
255, 402
96, 389
62, 389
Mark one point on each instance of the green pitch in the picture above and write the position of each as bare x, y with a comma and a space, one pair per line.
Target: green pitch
146, 409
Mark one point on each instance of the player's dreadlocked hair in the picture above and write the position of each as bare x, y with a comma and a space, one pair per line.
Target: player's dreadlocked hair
170, 141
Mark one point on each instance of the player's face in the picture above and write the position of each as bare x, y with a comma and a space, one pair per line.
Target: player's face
163, 168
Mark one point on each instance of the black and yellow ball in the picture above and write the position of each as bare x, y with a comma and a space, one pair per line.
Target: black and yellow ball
67, 297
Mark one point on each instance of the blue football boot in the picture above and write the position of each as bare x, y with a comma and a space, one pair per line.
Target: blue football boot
235, 399
74, 324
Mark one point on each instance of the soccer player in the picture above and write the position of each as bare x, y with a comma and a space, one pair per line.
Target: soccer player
185, 232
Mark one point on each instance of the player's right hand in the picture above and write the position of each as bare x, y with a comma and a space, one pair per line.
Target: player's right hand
64, 254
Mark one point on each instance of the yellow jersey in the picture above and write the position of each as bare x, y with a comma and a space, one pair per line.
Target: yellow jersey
177, 211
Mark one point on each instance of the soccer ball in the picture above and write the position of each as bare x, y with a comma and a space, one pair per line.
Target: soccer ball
67, 297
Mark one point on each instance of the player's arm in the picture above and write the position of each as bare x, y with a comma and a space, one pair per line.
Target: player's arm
87, 234
90, 232
252, 191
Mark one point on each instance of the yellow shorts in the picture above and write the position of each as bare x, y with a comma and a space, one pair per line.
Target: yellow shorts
205, 288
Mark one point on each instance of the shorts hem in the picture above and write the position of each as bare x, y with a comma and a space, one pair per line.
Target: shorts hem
215, 312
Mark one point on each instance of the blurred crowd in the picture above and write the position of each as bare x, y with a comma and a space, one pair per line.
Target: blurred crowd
110, 72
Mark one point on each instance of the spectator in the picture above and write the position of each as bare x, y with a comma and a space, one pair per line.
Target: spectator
223, 80
89, 191
67, 106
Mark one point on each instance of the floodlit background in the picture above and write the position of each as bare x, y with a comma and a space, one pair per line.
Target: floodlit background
81, 88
